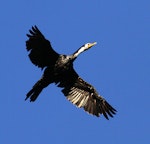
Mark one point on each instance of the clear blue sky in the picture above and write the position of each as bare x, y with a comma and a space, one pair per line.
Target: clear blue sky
118, 67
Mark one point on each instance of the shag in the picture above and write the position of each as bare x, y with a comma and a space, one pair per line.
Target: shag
59, 69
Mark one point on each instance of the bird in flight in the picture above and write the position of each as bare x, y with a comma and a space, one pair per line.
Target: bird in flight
59, 69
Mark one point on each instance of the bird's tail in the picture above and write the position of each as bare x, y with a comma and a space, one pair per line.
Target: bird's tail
35, 91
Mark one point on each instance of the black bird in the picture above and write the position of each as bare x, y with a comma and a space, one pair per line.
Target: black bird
59, 69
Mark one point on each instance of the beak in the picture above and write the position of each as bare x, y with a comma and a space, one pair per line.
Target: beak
92, 44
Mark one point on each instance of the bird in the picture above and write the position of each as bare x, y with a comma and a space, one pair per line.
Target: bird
58, 69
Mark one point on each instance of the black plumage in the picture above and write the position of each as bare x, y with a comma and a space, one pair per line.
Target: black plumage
59, 69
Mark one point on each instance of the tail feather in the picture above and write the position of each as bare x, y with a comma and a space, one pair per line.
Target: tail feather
34, 92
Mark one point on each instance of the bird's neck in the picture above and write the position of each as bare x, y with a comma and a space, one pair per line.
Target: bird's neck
79, 51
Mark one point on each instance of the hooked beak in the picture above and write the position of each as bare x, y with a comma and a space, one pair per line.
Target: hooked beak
92, 44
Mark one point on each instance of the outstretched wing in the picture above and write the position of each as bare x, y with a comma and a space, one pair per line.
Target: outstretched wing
82, 94
41, 53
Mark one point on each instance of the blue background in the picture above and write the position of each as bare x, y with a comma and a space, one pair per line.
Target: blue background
118, 67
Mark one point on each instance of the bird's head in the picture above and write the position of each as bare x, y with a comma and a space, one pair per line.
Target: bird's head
83, 48
88, 45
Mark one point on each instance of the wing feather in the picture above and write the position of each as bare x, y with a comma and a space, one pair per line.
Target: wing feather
41, 52
83, 95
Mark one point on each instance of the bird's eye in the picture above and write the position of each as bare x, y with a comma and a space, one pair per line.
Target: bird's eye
87, 45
